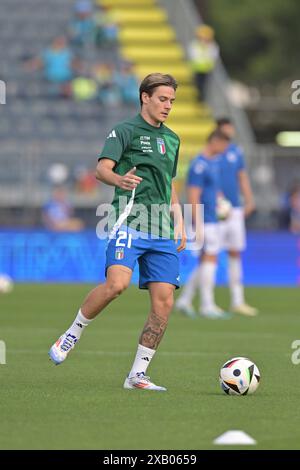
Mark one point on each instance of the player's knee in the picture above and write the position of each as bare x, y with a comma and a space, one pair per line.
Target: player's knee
164, 305
115, 288
169, 304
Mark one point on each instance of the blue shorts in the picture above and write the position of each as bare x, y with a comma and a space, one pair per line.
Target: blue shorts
157, 258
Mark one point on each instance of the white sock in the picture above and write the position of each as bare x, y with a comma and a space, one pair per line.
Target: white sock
79, 324
190, 287
207, 282
142, 360
235, 281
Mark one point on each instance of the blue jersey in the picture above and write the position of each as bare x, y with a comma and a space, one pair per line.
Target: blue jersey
205, 174
231, 163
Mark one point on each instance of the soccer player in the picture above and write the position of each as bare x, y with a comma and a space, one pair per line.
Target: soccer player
139, 158
203, 187
235, 180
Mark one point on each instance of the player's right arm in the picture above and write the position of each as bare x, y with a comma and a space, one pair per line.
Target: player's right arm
105, 173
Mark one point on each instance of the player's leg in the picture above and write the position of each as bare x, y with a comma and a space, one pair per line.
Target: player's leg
118, 279
235, 274
161, 295
121, 255
207, 281
207, 272
203, 277
235, 244
235, 278
184, 302
159, 272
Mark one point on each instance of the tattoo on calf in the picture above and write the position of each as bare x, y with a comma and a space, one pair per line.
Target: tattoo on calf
153, 331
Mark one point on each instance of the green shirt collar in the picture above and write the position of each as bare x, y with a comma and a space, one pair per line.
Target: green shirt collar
141, 121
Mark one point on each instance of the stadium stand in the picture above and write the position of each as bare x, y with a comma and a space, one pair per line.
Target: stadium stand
38, 129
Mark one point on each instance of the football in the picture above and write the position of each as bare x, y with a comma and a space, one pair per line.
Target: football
6, 284
239, 376
223, 208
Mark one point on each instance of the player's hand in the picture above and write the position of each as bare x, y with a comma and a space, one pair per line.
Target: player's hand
249, 208
180, 234
129, 181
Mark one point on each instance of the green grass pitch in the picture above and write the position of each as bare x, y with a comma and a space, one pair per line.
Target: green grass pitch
81, 404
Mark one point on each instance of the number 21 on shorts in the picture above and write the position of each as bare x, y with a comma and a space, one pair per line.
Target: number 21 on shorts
122, 239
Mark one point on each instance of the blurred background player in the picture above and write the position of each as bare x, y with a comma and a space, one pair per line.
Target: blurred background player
234, 181
203, 186
153, 150
58, 213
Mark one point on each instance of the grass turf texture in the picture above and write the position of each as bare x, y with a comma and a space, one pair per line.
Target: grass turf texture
81, 404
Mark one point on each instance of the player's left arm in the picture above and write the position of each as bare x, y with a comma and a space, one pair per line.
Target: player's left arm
246, 190
179, 229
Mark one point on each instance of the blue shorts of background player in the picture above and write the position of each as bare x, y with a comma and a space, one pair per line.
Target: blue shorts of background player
157, 258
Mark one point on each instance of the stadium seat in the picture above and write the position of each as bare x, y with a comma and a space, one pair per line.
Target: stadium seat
132, 36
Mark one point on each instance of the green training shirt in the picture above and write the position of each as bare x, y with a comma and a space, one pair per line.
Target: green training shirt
154, 153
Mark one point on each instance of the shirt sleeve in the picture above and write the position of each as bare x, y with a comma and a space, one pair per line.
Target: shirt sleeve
196, 174
176, 162
115, 144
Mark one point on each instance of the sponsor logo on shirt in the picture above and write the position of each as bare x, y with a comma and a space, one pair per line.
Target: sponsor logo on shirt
145, 144
161, 145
